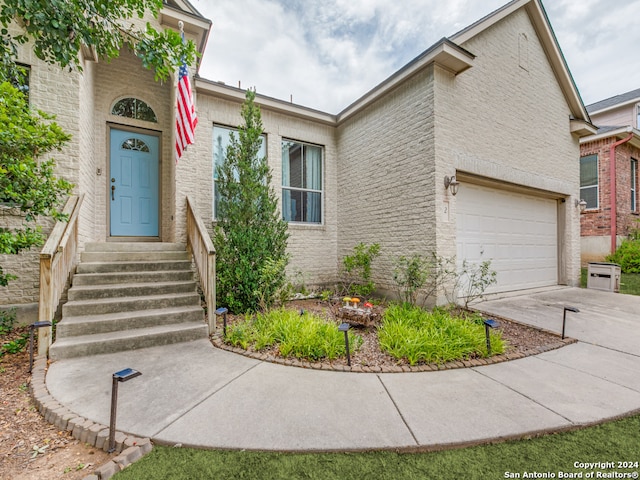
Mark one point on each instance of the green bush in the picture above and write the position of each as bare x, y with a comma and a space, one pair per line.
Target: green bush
434, 337
297, 335
627, 256
357, 270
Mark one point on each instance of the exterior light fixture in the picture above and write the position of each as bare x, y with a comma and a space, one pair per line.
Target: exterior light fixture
223, 311
582, 204
452, 184
564, 316
344, 327
488, 324
32, 327
121, 376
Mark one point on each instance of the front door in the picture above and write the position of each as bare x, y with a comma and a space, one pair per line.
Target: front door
133, 185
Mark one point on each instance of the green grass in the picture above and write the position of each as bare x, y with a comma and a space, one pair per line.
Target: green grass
304, 336
629, 282
613, 442
434, 337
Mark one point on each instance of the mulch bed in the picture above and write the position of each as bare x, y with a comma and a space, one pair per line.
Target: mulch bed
522, 341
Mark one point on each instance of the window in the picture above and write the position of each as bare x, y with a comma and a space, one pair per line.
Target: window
301, 182
134, 108
589, 181
638, 117
634, 185
221, 140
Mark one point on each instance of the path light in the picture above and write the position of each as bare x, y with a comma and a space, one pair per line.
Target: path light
344, 327
223, 311
121, 376
488, 323
564, 317
32, 327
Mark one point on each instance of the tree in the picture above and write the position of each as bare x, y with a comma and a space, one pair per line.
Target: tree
25, 182
59, 28
250, 236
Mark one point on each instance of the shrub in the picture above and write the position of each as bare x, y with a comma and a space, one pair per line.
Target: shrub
471, 281
627, 256
250, 236
296, 335
357, 269
434, 337
417, 277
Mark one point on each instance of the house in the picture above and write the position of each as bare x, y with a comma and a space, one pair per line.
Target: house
612, 207
469, 151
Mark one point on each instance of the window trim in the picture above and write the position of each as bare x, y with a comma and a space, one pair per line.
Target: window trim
213, 161
596, 185
322, 190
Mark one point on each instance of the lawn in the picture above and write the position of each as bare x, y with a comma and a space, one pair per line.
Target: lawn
611, 442
629, 282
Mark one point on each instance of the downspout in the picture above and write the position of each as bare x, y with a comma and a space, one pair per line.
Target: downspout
612, 177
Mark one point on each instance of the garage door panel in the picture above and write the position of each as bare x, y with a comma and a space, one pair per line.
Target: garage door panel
517, 232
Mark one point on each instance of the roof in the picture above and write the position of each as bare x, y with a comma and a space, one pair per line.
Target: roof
618, 101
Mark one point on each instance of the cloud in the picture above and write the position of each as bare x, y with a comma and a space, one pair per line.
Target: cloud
328, 53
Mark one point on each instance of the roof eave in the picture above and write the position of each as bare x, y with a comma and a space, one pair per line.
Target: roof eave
581, 128
226, 92
195, 25
444, 53
619, 134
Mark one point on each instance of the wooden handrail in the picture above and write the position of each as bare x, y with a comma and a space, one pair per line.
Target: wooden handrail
204, 254
57, 261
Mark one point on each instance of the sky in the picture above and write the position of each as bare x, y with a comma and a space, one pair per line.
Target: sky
325, 54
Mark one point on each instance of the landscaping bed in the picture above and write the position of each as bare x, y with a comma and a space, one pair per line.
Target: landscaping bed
520, 341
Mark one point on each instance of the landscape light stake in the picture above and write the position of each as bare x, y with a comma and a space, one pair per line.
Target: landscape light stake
344, 327
121, 376
32, 327
564, 317
488, 323
223, 311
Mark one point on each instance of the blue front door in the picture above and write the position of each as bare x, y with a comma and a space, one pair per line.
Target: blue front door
133, 184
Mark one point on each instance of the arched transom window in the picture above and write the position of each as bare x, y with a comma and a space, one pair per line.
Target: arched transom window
134, 108
134, 144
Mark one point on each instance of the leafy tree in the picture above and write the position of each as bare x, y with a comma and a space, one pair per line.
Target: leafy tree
250, 236
26, 182
59, 28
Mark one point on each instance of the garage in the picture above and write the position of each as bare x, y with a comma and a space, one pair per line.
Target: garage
517, 231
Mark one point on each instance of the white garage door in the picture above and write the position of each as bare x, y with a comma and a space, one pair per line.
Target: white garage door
517, 232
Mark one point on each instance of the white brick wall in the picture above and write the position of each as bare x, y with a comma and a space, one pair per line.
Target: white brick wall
385, 177
501, 121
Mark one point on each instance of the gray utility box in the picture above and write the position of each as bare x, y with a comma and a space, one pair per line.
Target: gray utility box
604, 276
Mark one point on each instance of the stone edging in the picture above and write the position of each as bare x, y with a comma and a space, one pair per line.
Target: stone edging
216, 340
129, 448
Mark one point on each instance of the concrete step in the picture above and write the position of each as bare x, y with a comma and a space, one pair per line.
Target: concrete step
141, 256
133, 247
137, 266
126, 340
111, 322
111, 278
76, 308
88, 292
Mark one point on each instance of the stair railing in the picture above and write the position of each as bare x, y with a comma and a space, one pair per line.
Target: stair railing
204, 254
57, 262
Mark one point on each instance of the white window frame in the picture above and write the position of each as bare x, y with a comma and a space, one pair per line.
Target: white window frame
303, 190
596, 185
216, 154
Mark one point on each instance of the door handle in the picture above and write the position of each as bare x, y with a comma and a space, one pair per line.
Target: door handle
113, 189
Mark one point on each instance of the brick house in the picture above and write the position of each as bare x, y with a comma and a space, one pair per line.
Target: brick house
612, 208
492, 111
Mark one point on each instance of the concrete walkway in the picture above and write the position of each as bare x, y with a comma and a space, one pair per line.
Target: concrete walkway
196, 395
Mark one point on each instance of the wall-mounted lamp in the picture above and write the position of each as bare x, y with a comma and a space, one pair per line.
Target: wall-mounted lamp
582, 204
452, 184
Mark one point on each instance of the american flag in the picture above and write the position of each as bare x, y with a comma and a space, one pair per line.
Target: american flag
186, 119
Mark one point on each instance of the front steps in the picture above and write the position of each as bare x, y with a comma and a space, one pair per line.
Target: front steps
126, 296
